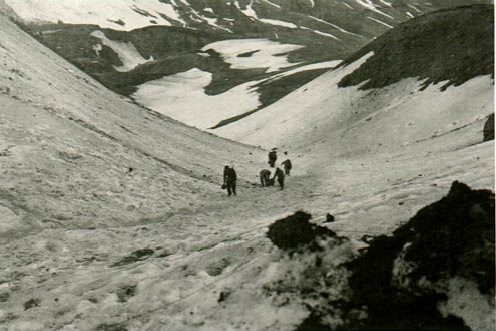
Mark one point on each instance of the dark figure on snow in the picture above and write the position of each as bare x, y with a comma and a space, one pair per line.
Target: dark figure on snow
230, 180
265, 178
272, 158
287, 166
279, 175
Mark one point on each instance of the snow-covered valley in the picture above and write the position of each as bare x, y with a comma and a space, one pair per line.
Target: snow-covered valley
112, 216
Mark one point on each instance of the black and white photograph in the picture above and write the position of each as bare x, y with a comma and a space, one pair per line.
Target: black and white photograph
247, 165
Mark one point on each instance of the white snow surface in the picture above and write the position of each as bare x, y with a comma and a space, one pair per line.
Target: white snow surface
182, 97
267, 53
278, 23
320, 114
134, 13
126, 51
71, 207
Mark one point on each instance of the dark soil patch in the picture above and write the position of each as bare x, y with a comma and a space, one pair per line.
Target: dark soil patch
111, 327
126, 292
489, 128
296, 231
136, 256
453, 237
4, 297
454, 44
216, 268
31, 303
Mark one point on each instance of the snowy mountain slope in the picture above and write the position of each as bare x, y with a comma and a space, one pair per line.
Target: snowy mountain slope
90, 244
65, 135
402, 110
115, 42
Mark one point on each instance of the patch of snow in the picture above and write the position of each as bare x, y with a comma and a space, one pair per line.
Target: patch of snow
312, 2
126, 51
415, 8
389, 4
322, 33
210, 10
279, 23
410, 14
269, 53
380, 22
347, 5
370, 6
248, 11
97, 48
334, 26
213, 22
272, 4
182, 96
135, 14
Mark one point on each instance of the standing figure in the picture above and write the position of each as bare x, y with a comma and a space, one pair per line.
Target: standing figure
265, 179
230, 180
272, 157
287, 166
279, 174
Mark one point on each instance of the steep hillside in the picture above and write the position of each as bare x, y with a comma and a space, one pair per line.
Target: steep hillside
112, 216
76, 154
127, 44
449, 46
397, 105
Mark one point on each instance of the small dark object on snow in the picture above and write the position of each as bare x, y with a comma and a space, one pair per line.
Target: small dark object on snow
223, 186
31, 303
139, 255
223, 296
329, 218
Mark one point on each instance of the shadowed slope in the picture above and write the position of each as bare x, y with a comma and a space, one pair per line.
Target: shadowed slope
451, 45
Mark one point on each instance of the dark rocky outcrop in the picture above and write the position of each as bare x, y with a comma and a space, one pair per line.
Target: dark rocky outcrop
400, 281
489, 128
296, 231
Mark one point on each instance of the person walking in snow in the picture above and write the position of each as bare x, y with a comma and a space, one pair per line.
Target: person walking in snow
265, 178
287, 166
272, 157
230, 180
279, 175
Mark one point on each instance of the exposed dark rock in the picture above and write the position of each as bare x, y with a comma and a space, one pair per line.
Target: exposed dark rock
136, 256
296, 231
329, 218
126, 292
4, 296
223, 296
31, 303
215, 268
453, 237
111, 327
489, 128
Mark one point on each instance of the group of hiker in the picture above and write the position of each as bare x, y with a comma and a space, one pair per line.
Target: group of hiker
267, 177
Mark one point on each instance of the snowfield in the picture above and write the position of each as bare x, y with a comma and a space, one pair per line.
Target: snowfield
182, 96
118, 15
265, 53
112, 216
